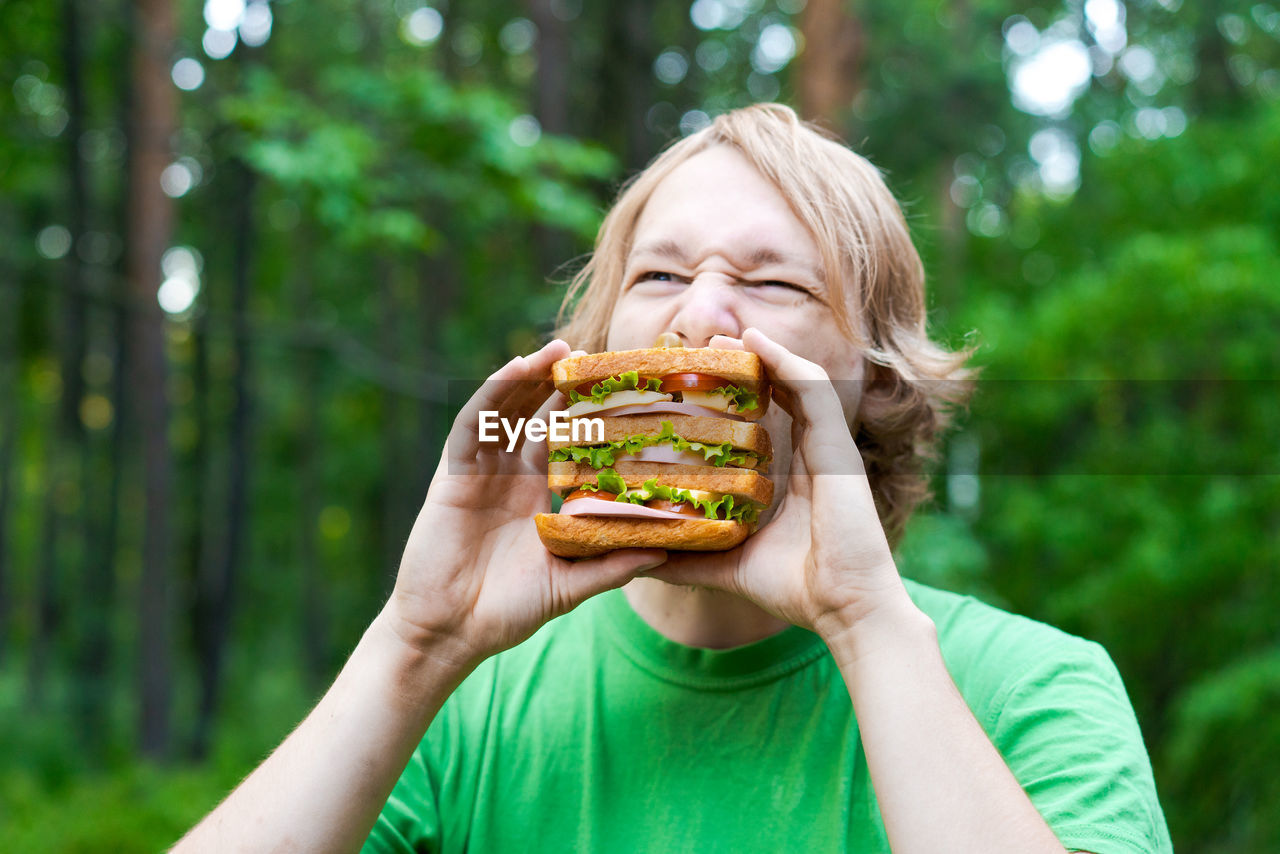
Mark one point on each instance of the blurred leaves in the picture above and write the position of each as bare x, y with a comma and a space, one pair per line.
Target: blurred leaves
1130, 486
375, 151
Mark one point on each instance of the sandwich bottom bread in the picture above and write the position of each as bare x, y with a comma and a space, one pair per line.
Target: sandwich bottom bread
651, 505
589, 536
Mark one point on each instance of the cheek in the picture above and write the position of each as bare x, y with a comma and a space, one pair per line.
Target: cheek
635, 324
809, 332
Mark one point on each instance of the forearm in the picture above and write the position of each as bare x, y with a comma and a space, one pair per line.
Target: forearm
321, 790
940, 783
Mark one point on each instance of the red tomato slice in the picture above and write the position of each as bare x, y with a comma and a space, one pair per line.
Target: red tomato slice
691, 382
684, 509
585, 493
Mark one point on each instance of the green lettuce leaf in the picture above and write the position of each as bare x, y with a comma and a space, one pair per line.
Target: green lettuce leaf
724, 507
629, 381
606, 481
744, 400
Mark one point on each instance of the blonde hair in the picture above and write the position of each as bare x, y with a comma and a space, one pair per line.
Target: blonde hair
872, 268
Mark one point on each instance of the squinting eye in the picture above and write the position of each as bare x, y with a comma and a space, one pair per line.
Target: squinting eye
774, 283
657, 276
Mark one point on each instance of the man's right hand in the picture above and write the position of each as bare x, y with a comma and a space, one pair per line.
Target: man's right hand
475, 579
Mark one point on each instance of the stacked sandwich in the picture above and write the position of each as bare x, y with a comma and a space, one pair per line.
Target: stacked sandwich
681, 461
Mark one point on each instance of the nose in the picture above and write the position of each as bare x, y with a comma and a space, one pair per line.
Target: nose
707, 307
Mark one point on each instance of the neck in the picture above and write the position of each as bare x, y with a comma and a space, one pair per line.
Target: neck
699, 616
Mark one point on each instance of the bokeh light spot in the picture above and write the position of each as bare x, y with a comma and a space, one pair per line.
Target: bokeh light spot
53, 241
188, 74
525, 130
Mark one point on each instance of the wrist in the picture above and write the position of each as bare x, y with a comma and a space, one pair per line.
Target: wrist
891, 623
423, 661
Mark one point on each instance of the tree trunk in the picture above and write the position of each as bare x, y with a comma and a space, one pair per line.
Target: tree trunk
100, 561
314, 636
218, 588
828, 77
626, 75
98, 650
48, 575
8, 427
551, 94
395, 528
93, 586
196, 548
150, 227
551, 99
73, 310
1215, 91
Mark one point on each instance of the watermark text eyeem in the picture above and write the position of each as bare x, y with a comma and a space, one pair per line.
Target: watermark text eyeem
560, 428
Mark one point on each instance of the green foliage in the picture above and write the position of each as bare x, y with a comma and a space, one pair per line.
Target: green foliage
133, 810
1131, 477
381, 154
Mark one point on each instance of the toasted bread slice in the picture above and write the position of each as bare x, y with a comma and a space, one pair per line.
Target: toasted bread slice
588, 536
739, 367
742, 435
743, 483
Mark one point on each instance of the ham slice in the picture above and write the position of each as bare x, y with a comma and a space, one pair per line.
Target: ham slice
587, 408
672, 407
608, 507
664, 454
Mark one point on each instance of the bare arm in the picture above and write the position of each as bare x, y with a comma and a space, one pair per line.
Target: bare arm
940, 782
474, 580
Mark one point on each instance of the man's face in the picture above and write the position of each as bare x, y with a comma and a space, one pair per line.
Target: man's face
717, 250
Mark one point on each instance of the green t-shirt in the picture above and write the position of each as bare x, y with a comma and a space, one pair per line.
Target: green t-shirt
599, 734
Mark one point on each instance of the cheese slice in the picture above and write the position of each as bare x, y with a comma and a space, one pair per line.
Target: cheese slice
718, 402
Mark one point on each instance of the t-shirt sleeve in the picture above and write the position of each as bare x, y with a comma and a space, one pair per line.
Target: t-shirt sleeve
1068, 731
410, 821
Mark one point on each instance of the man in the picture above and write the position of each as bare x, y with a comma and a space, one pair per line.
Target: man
794, 693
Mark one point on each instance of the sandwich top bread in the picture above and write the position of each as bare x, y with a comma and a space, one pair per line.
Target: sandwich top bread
679, 380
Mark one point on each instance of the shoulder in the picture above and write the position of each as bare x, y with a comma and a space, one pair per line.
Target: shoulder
970, 627
992, 653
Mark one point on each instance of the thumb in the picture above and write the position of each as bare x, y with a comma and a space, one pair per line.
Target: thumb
579, 581
698, 569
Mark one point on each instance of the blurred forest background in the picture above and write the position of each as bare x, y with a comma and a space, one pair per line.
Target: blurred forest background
245, 246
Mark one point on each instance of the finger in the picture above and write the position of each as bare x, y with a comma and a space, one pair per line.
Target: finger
464, 436
695, 569
528, 395
802, 387
726, 342
534, 454
575, 582
463, 443
547, 400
